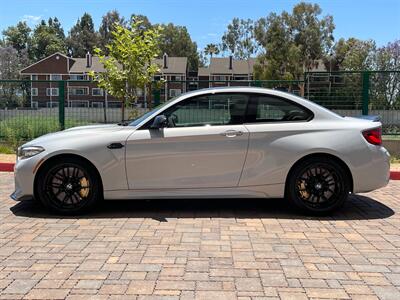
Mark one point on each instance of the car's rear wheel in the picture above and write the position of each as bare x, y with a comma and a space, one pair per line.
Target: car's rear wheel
68, 186
318, 185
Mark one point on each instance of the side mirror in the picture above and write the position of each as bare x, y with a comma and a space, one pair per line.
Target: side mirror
159, 122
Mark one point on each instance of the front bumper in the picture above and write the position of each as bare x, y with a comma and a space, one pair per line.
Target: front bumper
15, 197
24, 176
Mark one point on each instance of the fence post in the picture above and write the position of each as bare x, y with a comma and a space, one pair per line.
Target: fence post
61, 104
157, 96
365, 92
257, 83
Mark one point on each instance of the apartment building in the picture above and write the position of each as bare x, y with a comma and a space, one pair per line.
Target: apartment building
80, 92
177, 79
221, 70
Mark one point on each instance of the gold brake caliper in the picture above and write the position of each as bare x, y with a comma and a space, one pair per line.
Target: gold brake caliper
301, 185
84, 192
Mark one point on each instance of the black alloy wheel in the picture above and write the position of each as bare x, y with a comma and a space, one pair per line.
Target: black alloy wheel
318, 185
69, 186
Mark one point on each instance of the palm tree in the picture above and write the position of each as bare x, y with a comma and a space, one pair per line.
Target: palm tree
211, 49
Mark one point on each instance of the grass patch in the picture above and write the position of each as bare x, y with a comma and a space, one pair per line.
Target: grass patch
17, 130
391, 137
4, 149
394, 160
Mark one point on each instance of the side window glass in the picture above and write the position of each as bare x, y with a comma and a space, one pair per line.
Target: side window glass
213, 109
273, 109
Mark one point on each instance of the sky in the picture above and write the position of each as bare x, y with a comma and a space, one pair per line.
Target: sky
207, 20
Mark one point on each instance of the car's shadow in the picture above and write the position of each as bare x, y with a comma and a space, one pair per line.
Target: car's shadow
356, 208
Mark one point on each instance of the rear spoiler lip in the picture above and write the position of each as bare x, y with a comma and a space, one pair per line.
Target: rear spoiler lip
375, 118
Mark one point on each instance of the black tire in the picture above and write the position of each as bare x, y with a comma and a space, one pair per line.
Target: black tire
68, 186
317, 185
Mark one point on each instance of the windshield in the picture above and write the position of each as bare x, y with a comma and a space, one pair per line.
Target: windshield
137, 121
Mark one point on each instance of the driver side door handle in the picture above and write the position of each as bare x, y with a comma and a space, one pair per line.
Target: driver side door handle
232, 133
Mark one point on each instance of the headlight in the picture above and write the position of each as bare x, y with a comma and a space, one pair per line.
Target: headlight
29, 151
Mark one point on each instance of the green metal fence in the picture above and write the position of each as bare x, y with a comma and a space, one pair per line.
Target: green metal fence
353, 93
31, 108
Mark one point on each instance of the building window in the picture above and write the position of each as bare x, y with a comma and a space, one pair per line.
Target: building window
114, 104
34, 91
78, 91
34, 77
97, 92
77, 103
220, 78
77, 77
97, 104
52, 104
240, 78
55, 77
175, 92
52, 92
176, 78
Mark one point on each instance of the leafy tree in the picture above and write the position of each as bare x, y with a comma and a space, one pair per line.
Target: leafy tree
107, 26
292, 42
129, 65
143, 20
202, 59
82, 36
351, 55
10, 63
281, 56
239, 39
211, 49
356, 54
313, 34
176, 41
386, 86
18, 36
46, 40
56, 25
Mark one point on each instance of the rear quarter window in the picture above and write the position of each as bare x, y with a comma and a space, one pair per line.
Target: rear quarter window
266, 108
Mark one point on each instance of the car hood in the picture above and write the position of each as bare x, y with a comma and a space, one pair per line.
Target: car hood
86, 132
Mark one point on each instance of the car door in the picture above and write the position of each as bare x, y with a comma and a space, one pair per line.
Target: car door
204, 145
276, 126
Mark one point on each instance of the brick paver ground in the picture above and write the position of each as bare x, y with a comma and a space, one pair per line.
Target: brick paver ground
201, 249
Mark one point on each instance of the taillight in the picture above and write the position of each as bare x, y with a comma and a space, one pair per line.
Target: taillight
373, 136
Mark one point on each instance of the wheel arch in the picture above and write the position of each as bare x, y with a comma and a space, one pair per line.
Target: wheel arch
326, 156
56, 157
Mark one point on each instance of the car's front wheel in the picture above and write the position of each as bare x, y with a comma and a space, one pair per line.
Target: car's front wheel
318, 185
68, 186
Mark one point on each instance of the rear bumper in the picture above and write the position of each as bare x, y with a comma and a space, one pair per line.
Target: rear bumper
375, 173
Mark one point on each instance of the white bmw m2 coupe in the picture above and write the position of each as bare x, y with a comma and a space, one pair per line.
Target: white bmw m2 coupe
219, 142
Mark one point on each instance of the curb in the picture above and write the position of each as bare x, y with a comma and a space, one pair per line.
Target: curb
395, 175
6, 167
9, 167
